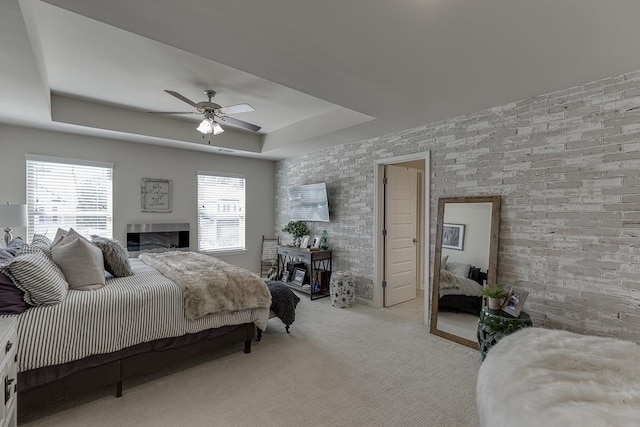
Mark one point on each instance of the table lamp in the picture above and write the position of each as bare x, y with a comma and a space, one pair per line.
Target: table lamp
12, 216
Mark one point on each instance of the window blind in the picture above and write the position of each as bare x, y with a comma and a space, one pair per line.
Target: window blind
221, 212
64, 193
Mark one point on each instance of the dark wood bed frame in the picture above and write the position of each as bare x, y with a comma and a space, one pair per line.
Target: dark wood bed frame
42, 386
465, 303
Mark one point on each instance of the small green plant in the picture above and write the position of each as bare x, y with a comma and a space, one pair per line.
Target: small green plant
296, 228
495, 290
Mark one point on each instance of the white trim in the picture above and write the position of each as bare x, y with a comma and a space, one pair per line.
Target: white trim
377, 227
51, 159
227, 174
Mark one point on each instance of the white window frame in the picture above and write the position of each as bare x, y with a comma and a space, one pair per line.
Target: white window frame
207, 215
67, 219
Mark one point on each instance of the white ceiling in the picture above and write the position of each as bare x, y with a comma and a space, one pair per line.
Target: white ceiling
318, 73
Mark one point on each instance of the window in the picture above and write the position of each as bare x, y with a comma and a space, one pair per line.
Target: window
65, 193
221, 217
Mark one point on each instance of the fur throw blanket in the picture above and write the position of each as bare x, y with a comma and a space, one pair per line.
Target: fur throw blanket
448, 280
542, 377
209, 284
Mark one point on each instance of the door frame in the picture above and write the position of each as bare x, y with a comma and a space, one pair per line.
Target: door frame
378, 209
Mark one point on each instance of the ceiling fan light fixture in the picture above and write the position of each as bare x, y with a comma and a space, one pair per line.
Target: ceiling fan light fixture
217, 129
206, 126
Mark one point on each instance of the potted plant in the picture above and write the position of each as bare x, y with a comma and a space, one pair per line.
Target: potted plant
297, 229
495, 294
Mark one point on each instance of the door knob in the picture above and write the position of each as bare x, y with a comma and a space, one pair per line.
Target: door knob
415, 240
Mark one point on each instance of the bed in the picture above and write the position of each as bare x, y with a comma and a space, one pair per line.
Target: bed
460, 287
112, 331
543, 377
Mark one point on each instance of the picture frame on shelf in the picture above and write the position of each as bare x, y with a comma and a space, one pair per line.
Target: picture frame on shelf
514, 301
298, 276
453, 236
317, 239
304, 242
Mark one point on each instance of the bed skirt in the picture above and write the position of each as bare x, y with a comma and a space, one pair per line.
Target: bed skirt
40, 386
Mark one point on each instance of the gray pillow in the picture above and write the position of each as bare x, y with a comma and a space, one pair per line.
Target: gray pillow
14, 246
458, 268
41, 280
80, 262
116, 257
60, 234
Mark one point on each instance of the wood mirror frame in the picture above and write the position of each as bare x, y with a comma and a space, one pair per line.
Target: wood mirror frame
492, 264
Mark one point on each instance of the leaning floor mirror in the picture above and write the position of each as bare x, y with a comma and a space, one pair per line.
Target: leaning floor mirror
466, 258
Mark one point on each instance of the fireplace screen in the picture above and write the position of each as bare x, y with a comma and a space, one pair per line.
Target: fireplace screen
157, 237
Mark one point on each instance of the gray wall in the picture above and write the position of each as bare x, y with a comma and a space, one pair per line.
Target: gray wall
567, 165
133, 161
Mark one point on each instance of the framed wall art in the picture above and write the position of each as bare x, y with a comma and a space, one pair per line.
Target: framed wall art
453, 236
157, 195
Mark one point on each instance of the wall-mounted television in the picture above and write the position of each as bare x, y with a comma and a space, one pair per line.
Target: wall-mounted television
309, 202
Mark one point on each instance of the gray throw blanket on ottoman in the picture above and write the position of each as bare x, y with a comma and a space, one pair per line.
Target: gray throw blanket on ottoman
283, 302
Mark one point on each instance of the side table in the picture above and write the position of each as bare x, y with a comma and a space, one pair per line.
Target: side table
495, 324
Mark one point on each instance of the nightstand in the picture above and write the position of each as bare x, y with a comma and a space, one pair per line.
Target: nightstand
496, 324
9, 370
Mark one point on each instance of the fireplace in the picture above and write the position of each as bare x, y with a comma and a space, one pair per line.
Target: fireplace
157, 237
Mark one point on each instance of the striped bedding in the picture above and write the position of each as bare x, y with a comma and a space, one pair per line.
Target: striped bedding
125, 312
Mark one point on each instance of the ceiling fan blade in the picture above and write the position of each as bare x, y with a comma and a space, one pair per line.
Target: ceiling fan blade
172, 112
239, 123
182, 98
238, 108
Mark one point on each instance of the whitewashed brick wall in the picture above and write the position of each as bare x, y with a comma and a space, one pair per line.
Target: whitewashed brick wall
567, 165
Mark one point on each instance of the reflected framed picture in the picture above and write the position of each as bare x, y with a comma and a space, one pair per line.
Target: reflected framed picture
304, 243
453, 236
514, 301
298, 276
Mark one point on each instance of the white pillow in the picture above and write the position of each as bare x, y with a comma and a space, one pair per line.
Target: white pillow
443, 262
458, 268
81, 263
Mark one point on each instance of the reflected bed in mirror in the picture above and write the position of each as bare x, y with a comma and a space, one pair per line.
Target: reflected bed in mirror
465, 260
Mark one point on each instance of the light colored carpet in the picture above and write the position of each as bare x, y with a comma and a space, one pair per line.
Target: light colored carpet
339, 367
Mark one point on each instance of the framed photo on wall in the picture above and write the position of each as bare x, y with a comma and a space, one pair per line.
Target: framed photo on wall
453, 236
156, 195
514, 301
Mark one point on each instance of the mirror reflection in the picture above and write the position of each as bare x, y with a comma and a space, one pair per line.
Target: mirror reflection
466, 259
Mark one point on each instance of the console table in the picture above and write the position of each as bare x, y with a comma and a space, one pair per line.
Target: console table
318, 267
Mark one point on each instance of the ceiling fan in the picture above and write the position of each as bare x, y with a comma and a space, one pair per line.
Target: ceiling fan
213, 113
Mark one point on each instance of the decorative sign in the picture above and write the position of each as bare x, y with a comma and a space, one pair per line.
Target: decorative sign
156, 195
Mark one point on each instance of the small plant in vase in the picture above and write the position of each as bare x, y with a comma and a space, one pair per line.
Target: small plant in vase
297, 229
495, 293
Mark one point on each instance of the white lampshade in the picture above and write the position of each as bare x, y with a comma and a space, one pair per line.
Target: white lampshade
12, 216
207, 126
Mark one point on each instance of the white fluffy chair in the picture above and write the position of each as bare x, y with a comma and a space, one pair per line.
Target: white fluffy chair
542, 377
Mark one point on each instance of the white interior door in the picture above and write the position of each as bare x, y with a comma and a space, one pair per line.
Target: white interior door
401, 207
